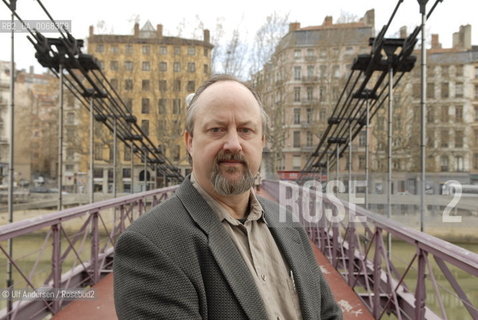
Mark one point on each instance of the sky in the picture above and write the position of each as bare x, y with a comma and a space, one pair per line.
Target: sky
245, 15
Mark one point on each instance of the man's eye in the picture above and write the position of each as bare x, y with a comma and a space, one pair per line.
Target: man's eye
245, 130
215, 130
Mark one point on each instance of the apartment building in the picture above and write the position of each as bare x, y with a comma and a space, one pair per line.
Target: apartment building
152, 74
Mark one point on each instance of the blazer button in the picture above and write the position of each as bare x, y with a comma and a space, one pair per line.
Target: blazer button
263, 276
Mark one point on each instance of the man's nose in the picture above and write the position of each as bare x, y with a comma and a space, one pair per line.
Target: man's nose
232, 142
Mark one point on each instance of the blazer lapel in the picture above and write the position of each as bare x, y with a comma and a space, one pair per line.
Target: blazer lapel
224, 251
292, 247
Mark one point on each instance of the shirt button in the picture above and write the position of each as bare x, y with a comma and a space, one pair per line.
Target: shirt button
263, 276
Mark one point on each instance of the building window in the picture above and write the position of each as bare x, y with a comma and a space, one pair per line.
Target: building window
191, 51
296, 163
297, 94
177, 67
163, 50
322, 114
310, 93
459, 114
476, 113
176, 106
191, 86
146, 66
128, 84
475, 159
444, 137
163, 85
445, 90
310, 138
361, 162
146, 49
129, 105
114, 65
310, 52
126, 172
459, 90
177, 85
145, 105
99, 153
162, 106
145, 85
322, 93
430, 114
128, 49
336, 71
163, 66
458, 139
444, 113
126, 156
176, 153
459, 71
297, 116
460, 163
205, 52
296, 139
297, 53
444, 163
114, 83
98, 173
145, 127
362, 138
191, 67
310, 71
205, 69
100, 48
128, 65
430, 90
430, 138
297, 73
309, 115
177, 51
444, 71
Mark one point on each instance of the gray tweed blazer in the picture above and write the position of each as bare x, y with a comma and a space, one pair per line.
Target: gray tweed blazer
178, 262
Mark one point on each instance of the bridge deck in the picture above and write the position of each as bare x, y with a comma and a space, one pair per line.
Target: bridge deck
102, 307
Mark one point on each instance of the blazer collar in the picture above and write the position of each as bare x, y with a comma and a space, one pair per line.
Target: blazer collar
224, 251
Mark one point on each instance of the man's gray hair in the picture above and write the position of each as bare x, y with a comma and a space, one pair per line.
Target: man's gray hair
192, 105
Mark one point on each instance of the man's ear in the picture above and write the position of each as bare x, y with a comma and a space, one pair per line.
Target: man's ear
188, 141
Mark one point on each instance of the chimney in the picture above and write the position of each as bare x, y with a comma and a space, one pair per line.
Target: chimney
136, 29
436, 41
32, 70
328, 21
462, 38
159, 30
206, 35
403, 32
294, 26
92, 30
369, 18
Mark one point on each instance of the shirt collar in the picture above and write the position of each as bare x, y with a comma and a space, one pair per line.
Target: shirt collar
256, 212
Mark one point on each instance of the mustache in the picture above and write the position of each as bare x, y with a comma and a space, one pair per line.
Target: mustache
227, 156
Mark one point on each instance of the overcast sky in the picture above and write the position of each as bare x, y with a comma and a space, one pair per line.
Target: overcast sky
246, 15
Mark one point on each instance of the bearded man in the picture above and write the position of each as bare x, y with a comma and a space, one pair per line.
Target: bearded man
216, 250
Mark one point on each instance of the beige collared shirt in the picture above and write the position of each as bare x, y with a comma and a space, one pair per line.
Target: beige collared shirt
257, 246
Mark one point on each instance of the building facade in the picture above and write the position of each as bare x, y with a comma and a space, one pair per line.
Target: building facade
152, 74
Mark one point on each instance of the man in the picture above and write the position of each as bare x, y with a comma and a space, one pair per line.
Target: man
214, 250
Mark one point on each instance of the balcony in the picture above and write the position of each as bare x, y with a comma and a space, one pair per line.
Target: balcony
309, 79
311, 58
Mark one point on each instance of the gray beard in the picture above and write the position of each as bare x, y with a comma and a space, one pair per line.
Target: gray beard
225, 187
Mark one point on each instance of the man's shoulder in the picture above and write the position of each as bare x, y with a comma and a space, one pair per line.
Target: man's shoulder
164, 220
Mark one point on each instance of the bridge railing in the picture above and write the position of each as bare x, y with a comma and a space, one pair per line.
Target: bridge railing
66, 250
356, 241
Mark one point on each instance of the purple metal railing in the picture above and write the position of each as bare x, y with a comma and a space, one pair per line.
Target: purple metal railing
99, 225
359, 253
